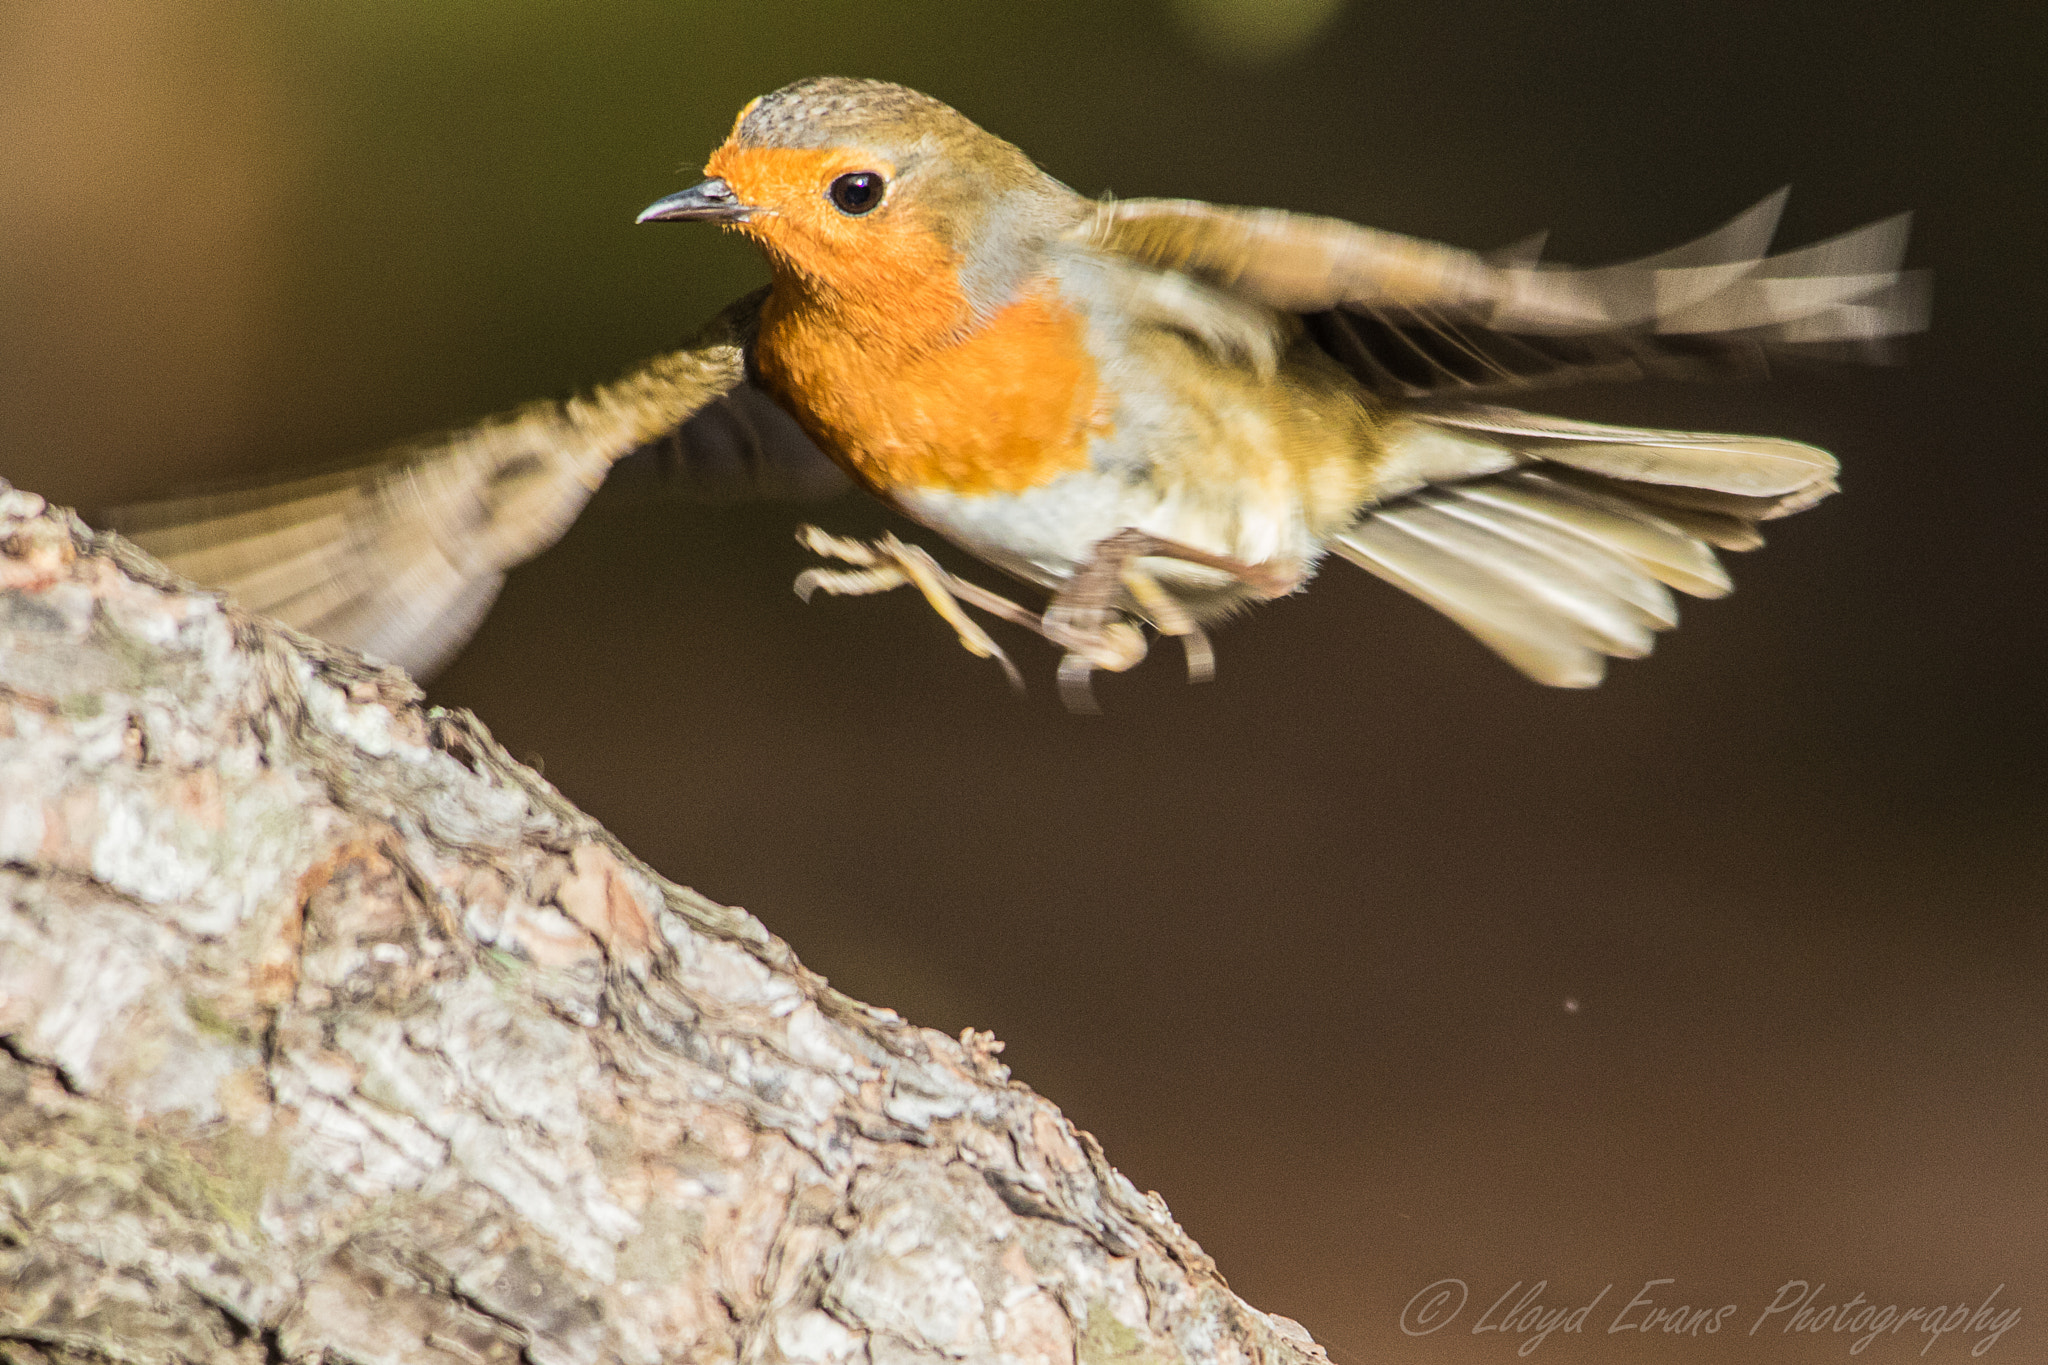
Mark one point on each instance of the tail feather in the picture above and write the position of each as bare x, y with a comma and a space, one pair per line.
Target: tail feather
1750, 466
1542, 643
1580, 591
1554, 541
1668, 551
1561, 556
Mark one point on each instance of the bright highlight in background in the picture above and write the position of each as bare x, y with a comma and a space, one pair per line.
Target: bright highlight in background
1255, 31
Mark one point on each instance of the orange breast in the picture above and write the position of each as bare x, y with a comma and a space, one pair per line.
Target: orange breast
1006, 407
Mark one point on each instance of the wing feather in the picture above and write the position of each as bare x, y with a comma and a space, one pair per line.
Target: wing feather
401, 557
1411, 318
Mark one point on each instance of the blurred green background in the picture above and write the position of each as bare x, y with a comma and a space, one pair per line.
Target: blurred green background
1298, 945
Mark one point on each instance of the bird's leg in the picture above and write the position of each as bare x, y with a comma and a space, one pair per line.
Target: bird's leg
1078, 616
889, 563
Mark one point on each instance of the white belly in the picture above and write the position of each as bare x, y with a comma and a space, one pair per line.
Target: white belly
1045, 534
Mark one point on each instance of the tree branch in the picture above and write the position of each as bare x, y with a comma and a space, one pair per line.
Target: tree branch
330, 1030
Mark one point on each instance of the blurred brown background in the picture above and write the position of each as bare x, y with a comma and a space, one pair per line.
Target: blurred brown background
1298, 945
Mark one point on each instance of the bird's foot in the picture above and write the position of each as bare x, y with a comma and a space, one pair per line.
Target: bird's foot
1084, 609
880, 565
1084, 618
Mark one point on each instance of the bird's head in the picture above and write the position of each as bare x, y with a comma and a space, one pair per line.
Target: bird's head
868, 194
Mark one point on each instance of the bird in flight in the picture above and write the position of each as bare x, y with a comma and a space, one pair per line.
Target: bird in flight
1155, 411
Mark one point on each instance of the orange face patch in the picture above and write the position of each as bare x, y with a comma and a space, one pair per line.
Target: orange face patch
788, 181
886, 264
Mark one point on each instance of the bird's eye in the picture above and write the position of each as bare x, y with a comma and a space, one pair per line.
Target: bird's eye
858, 192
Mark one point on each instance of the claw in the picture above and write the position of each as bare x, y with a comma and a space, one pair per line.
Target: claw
848, 582
825, 545
889, 563
1075, 690
1114, 648
1172, 618
1201, 655
936, 585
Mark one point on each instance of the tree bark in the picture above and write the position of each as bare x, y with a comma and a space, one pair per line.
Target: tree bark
327, 1030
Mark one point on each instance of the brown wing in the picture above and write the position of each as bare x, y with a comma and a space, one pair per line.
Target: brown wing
1556, 542
741, 447
1412, 318
401, 557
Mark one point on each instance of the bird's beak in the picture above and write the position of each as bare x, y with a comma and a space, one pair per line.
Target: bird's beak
711, 202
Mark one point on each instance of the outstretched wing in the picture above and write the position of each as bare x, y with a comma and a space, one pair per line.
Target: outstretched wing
402, 557
1556, 542
1412, 318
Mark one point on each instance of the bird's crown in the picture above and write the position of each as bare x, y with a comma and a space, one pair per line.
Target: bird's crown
825, 111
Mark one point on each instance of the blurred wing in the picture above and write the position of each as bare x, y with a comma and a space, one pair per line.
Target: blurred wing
401, 558
1411, 318
1556, 542
741, 447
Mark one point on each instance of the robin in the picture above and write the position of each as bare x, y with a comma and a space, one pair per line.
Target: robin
1156, 411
